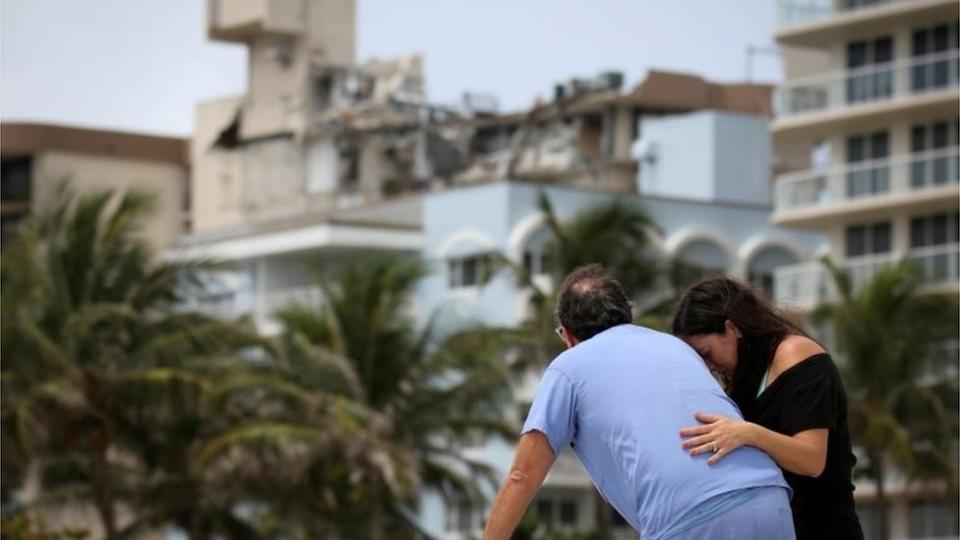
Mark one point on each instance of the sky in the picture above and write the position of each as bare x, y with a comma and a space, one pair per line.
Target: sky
142, 65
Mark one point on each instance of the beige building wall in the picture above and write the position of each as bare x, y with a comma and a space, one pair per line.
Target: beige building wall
216, 184
166, 182
94, 160
823, 58
333, 26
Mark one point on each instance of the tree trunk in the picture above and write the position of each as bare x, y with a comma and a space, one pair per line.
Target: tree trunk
602, 516
103, 496
376, 521
881, 521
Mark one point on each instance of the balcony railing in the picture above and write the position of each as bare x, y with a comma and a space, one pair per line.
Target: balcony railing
810, 283
868, 179
275, 299
868, 84
791, 12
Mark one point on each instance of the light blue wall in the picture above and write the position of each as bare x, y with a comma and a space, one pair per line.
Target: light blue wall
676, 156
742, 158
480, 210
494, 210
706, 155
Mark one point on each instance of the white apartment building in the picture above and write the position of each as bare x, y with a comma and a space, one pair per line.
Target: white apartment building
868, 119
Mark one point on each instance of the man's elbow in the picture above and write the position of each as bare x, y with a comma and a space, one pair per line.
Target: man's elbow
519, 476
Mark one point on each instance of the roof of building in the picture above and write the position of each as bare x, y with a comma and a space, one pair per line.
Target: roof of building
17, 139
660, 90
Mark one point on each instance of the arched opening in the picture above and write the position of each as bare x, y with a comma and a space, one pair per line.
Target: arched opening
761, 267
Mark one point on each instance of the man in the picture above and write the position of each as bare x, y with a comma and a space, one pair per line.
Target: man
619, 396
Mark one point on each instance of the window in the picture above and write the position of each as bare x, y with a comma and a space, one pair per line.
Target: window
558, 509
867, 239
535, 259
9, 226
15, 180
545, 511
929, 232
870, 76
348, 169
857, 4
323, 90
934, 163
934, 230
463, 516
932, 519
568, 512
868, 171
468, 271
931, 51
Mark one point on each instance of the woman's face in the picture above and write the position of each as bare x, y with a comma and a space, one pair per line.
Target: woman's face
718, 350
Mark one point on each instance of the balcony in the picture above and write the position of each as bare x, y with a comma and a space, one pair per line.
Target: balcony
821, 23
806, 197
843, 95
809, 284
793, 12
242, 20
273, 300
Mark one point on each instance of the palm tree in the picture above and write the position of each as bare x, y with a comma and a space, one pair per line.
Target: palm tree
99, 370
374, 409
902, 414
618, 237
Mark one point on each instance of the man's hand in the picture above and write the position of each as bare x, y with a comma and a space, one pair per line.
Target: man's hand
531, 463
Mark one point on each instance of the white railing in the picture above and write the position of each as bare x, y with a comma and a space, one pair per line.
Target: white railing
868, 84
810, 283
791, 12
272, 300
868, 179
222, 305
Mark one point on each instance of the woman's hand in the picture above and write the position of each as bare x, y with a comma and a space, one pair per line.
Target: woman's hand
717, 434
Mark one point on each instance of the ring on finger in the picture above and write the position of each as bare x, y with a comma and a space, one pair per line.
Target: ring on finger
714, 448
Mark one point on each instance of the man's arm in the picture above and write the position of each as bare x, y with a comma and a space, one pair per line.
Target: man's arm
533, 459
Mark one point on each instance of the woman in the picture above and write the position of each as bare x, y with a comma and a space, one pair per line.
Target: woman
790, 394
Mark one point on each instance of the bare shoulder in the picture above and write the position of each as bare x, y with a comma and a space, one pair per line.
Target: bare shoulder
795, 349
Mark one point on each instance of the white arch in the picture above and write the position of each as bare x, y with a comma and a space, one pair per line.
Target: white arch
529, 225
761, 241
688, 235
464, 235
522, 232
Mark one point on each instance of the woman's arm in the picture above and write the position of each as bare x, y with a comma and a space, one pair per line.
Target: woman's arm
804, 453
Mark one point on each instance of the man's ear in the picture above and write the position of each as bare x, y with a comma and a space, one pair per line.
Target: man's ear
568, 338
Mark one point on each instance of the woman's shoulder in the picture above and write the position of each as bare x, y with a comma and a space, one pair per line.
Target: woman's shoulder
795, 349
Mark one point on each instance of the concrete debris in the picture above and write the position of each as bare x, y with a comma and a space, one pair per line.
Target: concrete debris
389, 141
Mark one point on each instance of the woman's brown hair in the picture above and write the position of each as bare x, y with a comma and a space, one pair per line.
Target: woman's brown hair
706, 307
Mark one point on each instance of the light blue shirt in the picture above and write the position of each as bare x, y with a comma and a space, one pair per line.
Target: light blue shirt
620, 400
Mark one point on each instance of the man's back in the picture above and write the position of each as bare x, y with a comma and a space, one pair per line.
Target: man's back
621, 398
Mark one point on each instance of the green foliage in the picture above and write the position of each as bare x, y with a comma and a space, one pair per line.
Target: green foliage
103, 381
903, 397
26, 527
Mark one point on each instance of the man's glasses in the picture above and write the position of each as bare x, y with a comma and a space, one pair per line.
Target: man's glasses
559, 331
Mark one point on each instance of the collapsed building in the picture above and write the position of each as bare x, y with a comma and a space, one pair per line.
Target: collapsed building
317, 132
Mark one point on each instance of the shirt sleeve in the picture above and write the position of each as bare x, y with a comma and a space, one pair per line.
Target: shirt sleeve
815, 401
553, 411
